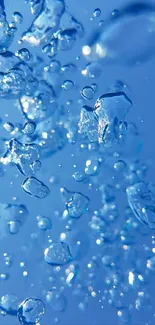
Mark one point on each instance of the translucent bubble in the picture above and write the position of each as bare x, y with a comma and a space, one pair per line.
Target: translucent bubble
9, 304
8, 127
120, 166
92, 167
79, 176
88, 125
76, 203
87, 93
109, 110
11, 215
14, 227
18, 18
56, 299
109, 42
96, 13
22, 155
45, 24
36, 188
12, 84
112, 105
58, 254
68, 85
44, 223
23, 54
37, 108
141, 198
29, 128
31, 311
67, 39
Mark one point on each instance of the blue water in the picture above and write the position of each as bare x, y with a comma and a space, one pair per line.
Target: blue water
77, 207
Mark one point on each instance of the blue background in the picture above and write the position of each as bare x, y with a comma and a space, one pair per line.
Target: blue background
28, 245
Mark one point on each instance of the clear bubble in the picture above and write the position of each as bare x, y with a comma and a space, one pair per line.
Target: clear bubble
87, 93
13, 216
120, 166
12, 84
23, 54
14, 227
36, 188
141, 198
96, 13
22, 155
18, 18
88, 125
58, 254
76, 203
68, 85
31, 311
44, 223
45, 24
9, 304
79, 176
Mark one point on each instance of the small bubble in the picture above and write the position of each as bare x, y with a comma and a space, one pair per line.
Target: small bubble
44, 223
96, 13
23, 54
87, 93
68, 85
29, 128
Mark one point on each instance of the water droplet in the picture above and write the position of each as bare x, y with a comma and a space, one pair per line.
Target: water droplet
36, 188
79, 176
22, 155
8, 127
31, 311
68, 85
58, 254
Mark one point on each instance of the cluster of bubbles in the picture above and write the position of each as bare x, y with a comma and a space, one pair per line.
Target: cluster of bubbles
101, 134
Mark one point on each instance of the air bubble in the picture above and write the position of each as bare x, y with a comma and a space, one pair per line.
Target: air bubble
36, 188
58, 254
31, 311
87, 93
18, 18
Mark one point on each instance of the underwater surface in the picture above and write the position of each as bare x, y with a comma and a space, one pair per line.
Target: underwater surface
77, 203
